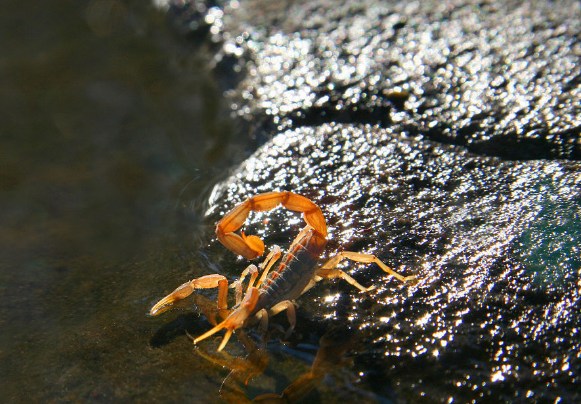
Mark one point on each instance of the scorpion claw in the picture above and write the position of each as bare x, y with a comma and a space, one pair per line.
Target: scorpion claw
186, 289
164, 304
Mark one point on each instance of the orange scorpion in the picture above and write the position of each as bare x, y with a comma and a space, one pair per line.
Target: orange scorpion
276, 290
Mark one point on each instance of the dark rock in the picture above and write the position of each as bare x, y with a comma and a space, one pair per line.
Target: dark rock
419, 128
501, 78
493, 243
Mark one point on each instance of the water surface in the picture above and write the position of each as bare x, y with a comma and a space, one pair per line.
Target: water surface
110, 137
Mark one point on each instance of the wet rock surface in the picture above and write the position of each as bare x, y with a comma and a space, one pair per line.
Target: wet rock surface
500, 78
444, 138
493, 243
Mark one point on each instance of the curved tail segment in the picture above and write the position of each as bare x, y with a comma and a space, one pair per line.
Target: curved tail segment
251, 247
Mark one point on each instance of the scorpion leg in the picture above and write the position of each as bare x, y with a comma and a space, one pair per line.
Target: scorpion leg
272, 257
251, 247
186, 289
235, 319
329, 270
237, 285
291, 316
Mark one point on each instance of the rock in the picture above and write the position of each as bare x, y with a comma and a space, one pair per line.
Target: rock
501, 78
494, 244
445, 139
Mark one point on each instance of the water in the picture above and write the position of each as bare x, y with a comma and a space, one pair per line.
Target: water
110, 139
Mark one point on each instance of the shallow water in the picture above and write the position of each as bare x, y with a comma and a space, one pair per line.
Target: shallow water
110, 139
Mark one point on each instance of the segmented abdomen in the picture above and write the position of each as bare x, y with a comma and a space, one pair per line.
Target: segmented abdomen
294, 272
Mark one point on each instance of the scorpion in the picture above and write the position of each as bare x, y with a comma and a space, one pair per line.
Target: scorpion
276, 290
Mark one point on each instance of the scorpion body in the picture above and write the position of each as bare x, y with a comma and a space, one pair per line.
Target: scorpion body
276, 290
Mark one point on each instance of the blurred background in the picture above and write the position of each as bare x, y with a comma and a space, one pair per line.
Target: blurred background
112, 132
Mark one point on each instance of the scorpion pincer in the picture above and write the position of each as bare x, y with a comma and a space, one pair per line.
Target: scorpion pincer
276, 290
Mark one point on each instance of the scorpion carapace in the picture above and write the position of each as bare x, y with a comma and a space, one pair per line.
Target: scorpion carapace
276, 290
